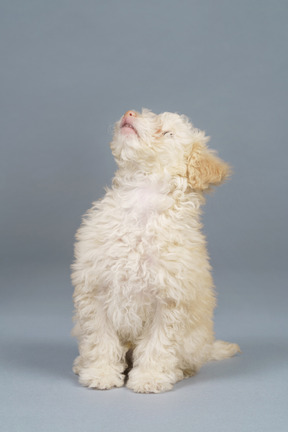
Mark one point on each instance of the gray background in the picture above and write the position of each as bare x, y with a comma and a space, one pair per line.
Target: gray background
69, 70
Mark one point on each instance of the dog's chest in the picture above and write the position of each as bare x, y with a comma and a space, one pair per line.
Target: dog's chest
144, 201
132, 257
131, 296
134, 244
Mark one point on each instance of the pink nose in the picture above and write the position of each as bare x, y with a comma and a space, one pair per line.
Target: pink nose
130, 113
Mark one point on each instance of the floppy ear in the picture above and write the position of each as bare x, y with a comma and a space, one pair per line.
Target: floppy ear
205, 169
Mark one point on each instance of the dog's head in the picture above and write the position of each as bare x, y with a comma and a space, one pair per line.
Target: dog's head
167, 143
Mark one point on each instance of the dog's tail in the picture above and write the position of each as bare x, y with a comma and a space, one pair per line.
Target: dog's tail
221, 350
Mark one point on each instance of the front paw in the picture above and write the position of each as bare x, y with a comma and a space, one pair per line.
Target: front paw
145, 381
102, 378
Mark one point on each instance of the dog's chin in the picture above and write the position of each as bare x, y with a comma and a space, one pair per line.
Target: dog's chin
128, 134
125, 146
127, 130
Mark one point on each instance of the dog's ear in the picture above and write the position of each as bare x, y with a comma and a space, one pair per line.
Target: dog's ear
205, 169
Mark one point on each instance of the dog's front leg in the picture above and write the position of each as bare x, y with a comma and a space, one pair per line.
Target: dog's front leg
101, 362
155, 363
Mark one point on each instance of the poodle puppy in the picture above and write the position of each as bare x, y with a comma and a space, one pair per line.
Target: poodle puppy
144, 294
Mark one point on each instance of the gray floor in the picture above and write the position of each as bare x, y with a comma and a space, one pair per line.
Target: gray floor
40, 393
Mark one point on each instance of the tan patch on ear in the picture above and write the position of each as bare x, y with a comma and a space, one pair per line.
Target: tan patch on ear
205, 169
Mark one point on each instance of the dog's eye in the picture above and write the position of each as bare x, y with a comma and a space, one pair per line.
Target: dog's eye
168, 133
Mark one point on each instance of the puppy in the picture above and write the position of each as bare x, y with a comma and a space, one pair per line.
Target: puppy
142, 276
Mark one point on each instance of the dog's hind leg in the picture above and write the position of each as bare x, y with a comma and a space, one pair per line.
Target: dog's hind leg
218, 350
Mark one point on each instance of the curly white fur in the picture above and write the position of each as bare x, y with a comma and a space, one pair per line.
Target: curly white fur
141, 272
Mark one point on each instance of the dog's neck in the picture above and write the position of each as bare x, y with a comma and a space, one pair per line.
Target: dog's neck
163, 183
131, 179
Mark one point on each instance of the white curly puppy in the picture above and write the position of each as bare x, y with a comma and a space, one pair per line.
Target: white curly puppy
141, 273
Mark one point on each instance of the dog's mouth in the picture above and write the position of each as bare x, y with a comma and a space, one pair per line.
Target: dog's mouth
128, 128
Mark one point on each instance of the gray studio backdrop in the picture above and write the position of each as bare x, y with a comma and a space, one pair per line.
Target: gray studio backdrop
68, 70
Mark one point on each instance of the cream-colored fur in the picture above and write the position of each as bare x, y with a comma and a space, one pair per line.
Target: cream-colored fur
141, 273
